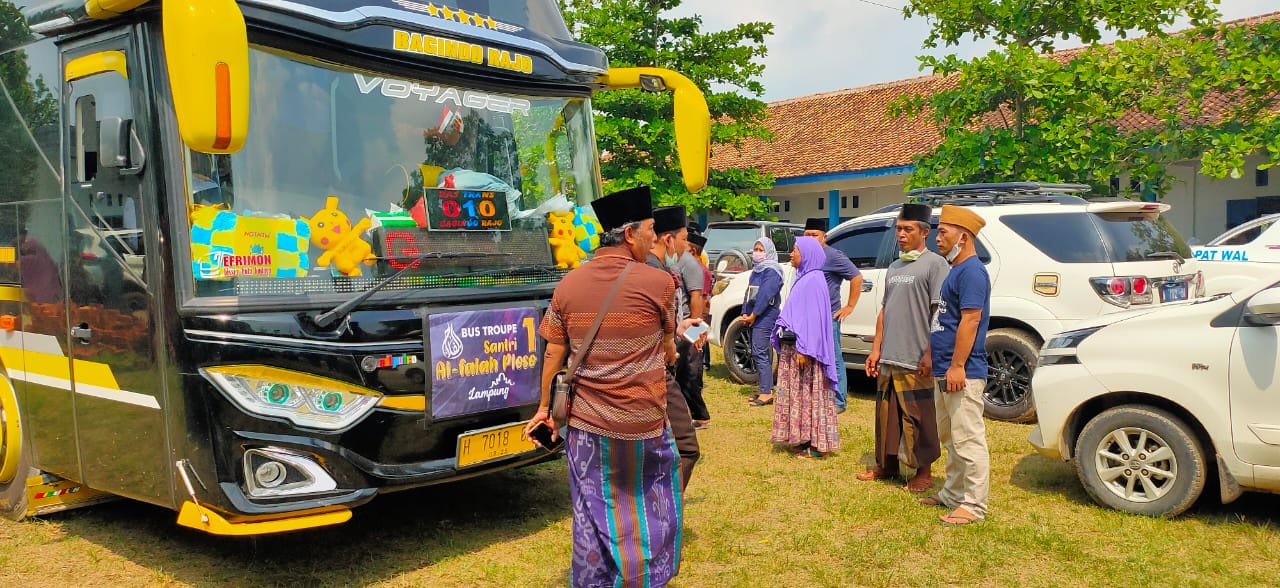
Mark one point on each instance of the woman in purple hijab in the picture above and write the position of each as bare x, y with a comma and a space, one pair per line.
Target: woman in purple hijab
804, 414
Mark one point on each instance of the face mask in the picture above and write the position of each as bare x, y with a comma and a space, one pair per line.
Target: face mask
757, 256
671, 259
909, 256
955, 251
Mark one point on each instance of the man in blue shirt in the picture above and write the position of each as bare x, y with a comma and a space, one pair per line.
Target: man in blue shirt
837, 269
957, 341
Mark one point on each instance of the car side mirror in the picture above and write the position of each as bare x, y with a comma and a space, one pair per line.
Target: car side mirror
1264, 307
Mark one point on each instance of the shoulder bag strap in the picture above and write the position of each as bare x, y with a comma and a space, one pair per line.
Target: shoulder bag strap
577, 358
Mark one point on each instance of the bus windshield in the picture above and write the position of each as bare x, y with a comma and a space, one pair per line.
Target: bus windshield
349, 176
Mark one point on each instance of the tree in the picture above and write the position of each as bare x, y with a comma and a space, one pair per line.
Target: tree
26, 106
634, 128
1132, 107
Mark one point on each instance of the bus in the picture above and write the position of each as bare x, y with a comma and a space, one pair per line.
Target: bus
263, 260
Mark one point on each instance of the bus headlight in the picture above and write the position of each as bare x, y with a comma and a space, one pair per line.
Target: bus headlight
305, 400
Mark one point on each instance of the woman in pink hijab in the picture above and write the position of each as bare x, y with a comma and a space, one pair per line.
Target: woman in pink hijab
804, 414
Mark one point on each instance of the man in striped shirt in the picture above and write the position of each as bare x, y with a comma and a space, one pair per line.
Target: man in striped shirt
624, 480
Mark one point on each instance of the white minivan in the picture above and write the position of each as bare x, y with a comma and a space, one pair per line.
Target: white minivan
1153, 406
1054, 258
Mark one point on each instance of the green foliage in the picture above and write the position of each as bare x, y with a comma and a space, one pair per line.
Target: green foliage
1132, 107
20, 165
635, 129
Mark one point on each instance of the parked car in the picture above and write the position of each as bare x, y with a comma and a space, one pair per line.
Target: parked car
1054, 258
1242, 256
729, 244
1153, 405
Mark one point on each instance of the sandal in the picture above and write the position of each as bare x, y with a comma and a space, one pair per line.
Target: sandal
959, 518
934, 500
875, 473
918, 485
757, 402
809, 453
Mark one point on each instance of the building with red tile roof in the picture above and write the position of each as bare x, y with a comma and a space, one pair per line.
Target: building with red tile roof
840, 154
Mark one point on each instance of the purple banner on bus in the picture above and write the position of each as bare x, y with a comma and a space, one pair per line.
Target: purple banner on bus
483, 360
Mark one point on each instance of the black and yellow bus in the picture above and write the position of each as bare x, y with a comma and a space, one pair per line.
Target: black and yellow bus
261, 261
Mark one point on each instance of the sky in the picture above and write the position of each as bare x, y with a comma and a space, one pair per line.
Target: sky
825, 45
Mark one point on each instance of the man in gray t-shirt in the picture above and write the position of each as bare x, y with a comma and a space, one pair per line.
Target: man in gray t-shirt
906, 428
693, 279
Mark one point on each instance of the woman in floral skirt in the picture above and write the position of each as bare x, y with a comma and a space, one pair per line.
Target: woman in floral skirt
804, 415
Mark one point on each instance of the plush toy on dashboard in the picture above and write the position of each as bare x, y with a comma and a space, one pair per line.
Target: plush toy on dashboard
586, 229
341, 242
564, 247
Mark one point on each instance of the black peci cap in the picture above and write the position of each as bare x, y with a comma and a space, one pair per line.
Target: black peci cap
816, 224
916, 212
697, 240
669, 218
627, 206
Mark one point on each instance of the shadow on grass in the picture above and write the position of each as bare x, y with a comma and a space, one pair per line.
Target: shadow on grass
1039, 475
394, 534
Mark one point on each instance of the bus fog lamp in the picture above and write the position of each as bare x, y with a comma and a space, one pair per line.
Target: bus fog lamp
270, 474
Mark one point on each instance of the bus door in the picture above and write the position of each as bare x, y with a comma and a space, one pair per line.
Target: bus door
119, 400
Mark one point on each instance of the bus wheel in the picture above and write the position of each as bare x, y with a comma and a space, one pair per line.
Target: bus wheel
15, 462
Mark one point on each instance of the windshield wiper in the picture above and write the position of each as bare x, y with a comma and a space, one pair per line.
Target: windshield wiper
1167, 255
325, 319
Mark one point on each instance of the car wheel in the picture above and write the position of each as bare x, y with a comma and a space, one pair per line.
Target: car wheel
1140, 459
737, 353
1011, 357
15, 459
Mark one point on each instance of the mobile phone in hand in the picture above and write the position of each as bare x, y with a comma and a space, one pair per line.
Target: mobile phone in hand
694, 331
542, 435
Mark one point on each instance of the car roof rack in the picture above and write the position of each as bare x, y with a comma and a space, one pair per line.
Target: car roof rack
1000, 192
993, 194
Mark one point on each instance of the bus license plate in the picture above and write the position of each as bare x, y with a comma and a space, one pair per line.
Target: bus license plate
489, 444
1173, 292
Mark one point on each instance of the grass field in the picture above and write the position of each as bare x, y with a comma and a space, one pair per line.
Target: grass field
754, 517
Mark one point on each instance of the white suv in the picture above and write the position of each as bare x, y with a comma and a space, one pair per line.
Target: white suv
1054, 258
1148, 436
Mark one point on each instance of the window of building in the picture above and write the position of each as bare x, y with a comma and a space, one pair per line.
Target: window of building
821, 202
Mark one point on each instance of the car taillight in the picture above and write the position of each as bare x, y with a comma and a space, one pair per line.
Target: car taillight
1123, 291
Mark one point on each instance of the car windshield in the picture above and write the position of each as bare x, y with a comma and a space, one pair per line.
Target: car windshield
1136, 238
726, 238
1242, 235
347, 176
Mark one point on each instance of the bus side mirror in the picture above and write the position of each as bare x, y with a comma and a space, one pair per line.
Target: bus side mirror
113, 142
207, 50
119, 146
692, 117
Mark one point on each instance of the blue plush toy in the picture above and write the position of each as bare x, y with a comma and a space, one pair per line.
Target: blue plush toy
586, 229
